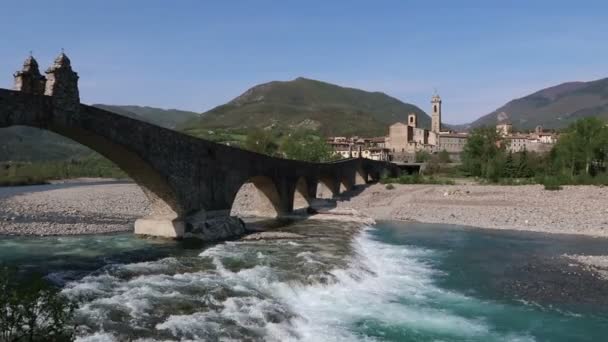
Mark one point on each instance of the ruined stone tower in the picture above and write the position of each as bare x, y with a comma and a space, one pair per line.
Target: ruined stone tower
436, 114
29, 80
62, 83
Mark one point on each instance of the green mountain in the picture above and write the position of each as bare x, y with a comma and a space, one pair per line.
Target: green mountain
306, 103
32, 144
168, 118
555, 107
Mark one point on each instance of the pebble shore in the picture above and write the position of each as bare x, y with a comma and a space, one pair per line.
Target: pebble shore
71, 208
573, 210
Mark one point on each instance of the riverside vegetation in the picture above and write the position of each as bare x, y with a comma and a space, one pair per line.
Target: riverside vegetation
33, 310
579, 158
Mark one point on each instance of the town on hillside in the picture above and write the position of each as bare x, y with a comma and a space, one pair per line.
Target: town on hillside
404, 140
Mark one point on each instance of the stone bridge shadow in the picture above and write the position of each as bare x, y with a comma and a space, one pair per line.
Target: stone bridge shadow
191, 183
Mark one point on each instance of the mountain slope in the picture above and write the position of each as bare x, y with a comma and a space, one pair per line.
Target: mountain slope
554, 107
168, 118
31, 144
307, 103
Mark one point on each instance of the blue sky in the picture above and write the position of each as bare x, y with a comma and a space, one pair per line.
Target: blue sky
195, 55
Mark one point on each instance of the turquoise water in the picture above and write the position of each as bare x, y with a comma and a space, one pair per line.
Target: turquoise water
392, 282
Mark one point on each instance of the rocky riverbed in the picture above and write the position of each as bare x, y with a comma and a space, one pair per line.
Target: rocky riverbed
88, 207
573, 210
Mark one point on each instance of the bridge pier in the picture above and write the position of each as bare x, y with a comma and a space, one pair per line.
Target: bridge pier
206, 226
161, 227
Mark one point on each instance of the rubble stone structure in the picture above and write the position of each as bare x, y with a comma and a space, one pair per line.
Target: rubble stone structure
62, 84
29, 80
190, 182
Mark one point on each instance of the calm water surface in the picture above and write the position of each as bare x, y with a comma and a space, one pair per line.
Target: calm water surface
392, 282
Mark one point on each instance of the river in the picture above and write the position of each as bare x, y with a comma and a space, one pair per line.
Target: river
391, 282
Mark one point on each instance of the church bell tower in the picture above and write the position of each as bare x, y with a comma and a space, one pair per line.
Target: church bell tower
436, 114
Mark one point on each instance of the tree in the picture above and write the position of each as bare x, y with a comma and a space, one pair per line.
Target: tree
483, 154
307, 146
583, 146
261, 141
33, 311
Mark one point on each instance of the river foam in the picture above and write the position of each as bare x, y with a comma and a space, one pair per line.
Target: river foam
281, 291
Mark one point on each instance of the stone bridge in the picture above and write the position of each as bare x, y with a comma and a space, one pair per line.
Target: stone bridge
190, 182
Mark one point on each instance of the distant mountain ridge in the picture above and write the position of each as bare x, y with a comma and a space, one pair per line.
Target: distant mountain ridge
554, 107
31, 144
307, 103
168, 118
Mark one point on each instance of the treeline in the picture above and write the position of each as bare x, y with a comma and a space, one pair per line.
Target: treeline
24, 173
303, 144
579, 157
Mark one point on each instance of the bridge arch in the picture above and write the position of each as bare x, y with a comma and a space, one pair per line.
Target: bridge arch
163, 202
346, 184
327, 188
360, 176
258, 197
301, 195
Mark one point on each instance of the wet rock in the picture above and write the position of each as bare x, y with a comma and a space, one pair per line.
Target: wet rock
273, 236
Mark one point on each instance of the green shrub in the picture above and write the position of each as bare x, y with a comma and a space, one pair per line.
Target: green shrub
33, 310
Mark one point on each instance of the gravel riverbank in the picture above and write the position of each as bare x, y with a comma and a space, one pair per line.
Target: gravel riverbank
89, 207
573, 210
96, 206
